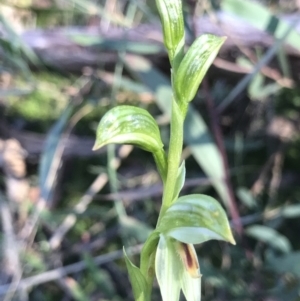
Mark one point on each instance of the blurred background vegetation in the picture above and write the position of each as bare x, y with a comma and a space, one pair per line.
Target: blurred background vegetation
66, 211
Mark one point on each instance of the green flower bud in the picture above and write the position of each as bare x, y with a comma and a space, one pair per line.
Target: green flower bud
170, 12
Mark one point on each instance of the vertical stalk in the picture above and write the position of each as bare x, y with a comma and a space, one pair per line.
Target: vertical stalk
175, 149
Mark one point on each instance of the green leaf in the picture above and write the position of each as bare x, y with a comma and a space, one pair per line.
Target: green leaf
194, 66
270, 237
196, 218
132, 125
170, 12
129, 125
138, 281
180, 180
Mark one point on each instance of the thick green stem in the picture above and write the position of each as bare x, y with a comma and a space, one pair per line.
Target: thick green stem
175, 149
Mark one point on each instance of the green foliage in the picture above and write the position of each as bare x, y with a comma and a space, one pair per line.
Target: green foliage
262, 169
195, 219
171, 16
129, 125
194, 66
190, 219
138, 281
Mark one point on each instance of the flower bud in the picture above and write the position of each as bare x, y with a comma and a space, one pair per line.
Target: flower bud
170, 12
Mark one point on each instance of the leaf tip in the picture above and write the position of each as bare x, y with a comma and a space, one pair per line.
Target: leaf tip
96, 146
231, 239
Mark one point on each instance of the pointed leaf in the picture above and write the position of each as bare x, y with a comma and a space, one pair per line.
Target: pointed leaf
180, 180
129, 125
138, 281
132, 125
168, 269
196, 218
194, 66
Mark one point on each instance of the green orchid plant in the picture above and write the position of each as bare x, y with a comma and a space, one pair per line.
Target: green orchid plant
169, 252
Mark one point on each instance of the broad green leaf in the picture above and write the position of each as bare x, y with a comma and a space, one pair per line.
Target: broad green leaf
132, 125
179, 181
168, 269
196, 218
270, 237
129, 125
171, 17
138, 281
194, 66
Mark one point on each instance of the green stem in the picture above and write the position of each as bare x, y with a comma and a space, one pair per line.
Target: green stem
175, 150
147, 265
160, 159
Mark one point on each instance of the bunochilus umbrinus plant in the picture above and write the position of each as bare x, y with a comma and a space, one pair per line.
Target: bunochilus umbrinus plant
169, 252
